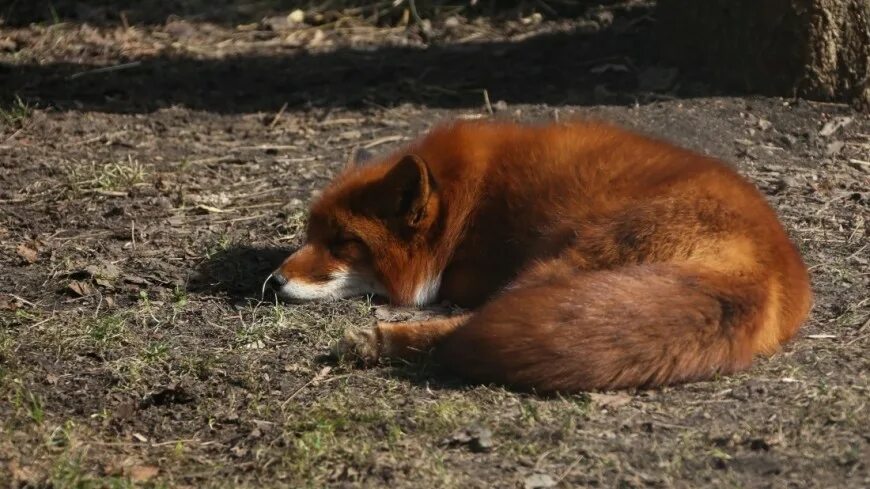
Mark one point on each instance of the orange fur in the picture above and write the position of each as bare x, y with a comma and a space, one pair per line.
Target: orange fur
592, 257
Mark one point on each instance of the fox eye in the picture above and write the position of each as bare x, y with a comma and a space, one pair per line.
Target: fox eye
347, 238
341, 243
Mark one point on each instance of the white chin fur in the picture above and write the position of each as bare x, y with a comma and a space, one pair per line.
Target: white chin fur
427, 292
340, 285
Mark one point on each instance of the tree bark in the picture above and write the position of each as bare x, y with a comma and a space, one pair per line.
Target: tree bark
818, 49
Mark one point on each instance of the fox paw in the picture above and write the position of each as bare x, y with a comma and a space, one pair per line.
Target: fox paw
358, 346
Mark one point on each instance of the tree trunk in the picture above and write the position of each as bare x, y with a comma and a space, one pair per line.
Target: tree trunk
818, 49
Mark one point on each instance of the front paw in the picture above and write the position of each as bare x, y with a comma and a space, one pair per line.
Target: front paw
358, 346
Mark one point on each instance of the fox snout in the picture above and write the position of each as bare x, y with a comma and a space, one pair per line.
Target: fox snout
311, 274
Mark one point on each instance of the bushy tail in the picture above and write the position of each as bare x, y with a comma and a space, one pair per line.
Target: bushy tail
639, 326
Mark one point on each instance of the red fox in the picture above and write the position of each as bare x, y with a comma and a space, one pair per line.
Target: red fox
590, 257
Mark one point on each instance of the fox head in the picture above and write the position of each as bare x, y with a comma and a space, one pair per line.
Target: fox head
373, 230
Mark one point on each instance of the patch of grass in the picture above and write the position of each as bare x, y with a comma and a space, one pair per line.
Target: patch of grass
70, 472
61, 435
155, 352
331, 430
16, 113
220, 245
322, 323
294, 225
179, 297
26, 401
7, 343
55, 17
198, 364
446, 415
35, 410
107, 177
128, 371
106, 330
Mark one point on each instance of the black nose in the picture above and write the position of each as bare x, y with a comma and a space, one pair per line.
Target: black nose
276, 281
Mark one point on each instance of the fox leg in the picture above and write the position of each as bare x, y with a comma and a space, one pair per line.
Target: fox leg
401, 341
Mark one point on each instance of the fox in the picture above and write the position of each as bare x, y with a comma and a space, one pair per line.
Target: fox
586, 257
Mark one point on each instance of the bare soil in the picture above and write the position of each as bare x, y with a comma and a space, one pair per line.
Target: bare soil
142, 205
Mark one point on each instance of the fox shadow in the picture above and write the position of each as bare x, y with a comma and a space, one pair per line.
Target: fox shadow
238, 272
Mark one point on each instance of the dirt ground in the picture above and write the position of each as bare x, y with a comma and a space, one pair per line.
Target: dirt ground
152, 172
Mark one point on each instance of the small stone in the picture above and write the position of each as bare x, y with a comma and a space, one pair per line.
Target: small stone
587, 27
477, 438
451, 22
834, 125
788, 140
603, 17
105, 270
426, 26
834, 147
533, 19
481, 440
179, 29
296, 17
8, 45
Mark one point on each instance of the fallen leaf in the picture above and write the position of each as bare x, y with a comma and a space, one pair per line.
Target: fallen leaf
29, 254
135, 280
322, 374
606, 401
9, 304
125, 410
539, 481
142, 473
21, 474
80, 289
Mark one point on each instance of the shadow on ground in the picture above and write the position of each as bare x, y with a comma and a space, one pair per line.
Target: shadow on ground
616, 65
231, 12
237, 271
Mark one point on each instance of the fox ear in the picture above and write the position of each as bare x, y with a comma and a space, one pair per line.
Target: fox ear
359, 157
409, 187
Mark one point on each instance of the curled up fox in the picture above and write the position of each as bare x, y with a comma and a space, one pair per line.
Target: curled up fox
589, 257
